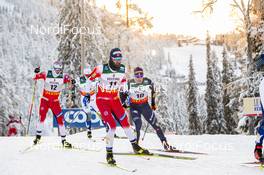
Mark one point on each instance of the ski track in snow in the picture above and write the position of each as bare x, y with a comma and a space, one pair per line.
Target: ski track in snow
225, 155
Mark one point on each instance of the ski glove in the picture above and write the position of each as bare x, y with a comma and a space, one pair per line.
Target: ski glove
37, 70
125, 105
154, 107
73, 81
258, 151
86, 99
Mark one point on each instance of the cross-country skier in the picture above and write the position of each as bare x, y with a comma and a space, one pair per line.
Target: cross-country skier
54, 81
13, 126
260, 129
139, 89
112, 79
87, 90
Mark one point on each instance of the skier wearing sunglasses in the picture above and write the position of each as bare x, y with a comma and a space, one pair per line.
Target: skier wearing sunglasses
139, 88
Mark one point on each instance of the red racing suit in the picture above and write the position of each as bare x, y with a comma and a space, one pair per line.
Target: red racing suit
12, 129
107, 97
50, 98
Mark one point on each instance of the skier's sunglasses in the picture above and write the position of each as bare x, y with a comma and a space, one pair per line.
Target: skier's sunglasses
116, 58
58, 70
139, 74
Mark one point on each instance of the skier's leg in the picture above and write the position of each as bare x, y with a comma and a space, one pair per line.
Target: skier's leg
136, 117
57, 111
260, 137
87, 110
43, 109
14, 131
149, 115
260, 128
105, 110
9, 133
121, 115
122, 118
89, 125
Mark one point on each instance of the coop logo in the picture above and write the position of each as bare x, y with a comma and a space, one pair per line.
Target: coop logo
75, 117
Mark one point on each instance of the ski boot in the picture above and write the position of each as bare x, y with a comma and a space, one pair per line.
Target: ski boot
116, 136
258, 152
66, 144
110, 158
37, 140
139, 150
167, 147
89, 134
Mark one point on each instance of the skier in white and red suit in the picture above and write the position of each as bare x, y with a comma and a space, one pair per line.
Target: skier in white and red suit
13, 126
112, 80
54, 81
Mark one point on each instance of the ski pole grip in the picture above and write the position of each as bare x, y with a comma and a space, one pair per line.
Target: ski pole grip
37, 70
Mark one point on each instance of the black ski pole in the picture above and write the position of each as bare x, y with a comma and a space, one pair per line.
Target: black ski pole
145, 132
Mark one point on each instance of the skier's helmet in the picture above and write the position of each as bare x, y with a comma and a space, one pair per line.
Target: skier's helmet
138, 72
57, 68
11, 116
115, 58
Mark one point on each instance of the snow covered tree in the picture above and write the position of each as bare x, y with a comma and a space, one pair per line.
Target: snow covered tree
214, 122
194, 120
70, 44
23, 46
210, 102
163, 108
257, 33
227, 77
211, 123
202, 110
70, 39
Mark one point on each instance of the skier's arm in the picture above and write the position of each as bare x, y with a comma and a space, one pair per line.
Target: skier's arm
84, 93
153, 96
67, 79
68, 82
8, 123
123, 85
124, 96
96, 73
40, 76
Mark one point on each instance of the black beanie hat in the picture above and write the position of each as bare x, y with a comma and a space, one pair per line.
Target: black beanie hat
138, 69
116, 52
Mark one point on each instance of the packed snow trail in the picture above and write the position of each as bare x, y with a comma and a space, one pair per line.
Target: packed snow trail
225, 155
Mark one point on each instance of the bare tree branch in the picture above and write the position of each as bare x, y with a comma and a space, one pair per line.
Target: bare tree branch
239, 7
207, 6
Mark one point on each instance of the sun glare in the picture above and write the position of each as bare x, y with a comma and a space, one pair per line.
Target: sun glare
178, 17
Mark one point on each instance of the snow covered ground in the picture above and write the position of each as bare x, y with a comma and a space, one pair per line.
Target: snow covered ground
225, 153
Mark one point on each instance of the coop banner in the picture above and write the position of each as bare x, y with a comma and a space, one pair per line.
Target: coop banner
76, 118
252, 106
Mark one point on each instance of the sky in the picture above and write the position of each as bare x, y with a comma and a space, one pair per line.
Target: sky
176, 16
